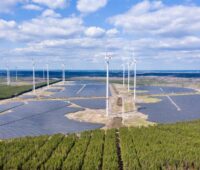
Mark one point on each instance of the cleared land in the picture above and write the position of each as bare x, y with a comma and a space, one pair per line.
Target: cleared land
174, 146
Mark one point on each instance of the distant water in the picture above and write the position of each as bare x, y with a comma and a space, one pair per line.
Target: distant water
113, 73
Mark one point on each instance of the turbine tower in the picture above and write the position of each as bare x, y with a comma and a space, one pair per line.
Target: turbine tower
33, 75
107, 58
128, 64
8, 75
43, 74
47, 75
135, 74
63, 73
16, 74
123, 67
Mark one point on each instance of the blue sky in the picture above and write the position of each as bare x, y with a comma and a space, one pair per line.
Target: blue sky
159, 34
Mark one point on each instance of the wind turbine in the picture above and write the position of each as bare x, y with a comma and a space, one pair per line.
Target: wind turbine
8, 75
16, 74
128, 64
33, 62
63, 73
107, 59
123, 67
47, 75
135, 74
43, 74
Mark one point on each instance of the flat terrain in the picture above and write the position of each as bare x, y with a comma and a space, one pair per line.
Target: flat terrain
69, 107
11, 91
41, 117
174, 146
15, 90
176, 104
153, 90
82, 89
181, 108
45, 112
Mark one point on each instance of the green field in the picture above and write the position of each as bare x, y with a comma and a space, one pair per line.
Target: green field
175, 146
12, 91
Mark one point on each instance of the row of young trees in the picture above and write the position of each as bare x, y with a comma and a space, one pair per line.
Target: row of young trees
59, 155
43, 154
128, 150
74, 160
32, 146
110, 158
94, 154
10, 148
157, 148
190, 129
175, 146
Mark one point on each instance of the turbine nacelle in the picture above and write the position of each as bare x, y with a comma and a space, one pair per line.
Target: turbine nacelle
108, 57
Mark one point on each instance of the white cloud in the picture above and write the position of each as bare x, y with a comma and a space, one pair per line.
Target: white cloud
32, 7
145, 6
87, 6
94, 32
112, 32
156, 31
7, 30
84, 43
51, 27
52, 3
7, 24
48, 25
6, 5
50, 13
85, 48
152, 17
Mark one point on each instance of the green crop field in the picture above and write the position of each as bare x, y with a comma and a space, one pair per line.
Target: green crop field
12, 91
174, 146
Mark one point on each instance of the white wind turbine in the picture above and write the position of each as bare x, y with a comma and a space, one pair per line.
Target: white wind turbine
47, 65
135, 77
123, 69
128, 66
43, 74
63, 73
134, 62
16, 73
33, 62
8, 74
107, 59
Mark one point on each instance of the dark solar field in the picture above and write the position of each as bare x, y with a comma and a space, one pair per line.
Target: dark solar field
164, 89
171, 108
41, 117
48, 116
82, 90
91, 103
31, 109
8, 106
